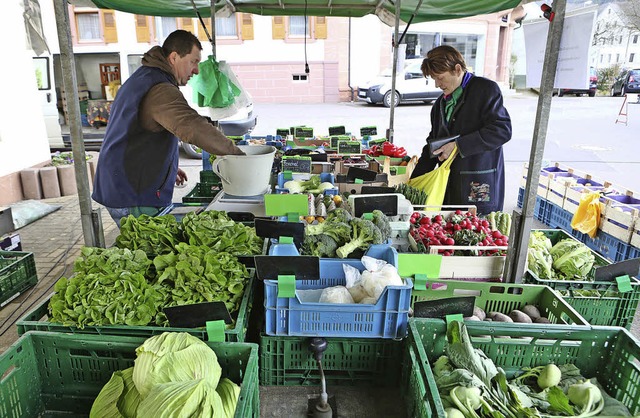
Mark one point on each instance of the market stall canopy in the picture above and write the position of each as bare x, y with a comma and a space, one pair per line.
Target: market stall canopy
425, 10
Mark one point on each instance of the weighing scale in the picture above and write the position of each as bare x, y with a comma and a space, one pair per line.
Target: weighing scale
231, 203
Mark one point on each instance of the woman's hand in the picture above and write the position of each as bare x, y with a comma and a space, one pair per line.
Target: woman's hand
445, 151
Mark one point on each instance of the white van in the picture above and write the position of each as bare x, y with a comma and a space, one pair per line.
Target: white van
411, 85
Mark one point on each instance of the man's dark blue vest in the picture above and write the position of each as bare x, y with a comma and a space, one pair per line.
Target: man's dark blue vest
136, 167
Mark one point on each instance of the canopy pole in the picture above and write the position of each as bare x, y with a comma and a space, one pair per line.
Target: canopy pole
70, 83
213, 28
517, 256
396, 37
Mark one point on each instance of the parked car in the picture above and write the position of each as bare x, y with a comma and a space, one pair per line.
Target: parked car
591, 91
411, 85
627, 82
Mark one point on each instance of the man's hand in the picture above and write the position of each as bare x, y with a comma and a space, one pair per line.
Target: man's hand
181, 177
445, 151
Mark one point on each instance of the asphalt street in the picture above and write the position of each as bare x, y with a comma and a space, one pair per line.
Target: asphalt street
582, 132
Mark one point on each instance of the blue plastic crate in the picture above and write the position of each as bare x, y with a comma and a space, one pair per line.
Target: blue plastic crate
378, 251
561, 219
206, 164
385, 319
609, 247
324, 177
541, 211
520, 201
633, 252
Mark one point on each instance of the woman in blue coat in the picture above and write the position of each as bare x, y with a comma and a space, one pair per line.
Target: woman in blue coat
472, 108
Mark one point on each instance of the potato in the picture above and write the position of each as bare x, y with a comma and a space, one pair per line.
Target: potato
479, 312
531, 311
542, 320
499, 317
472, 318
520, 317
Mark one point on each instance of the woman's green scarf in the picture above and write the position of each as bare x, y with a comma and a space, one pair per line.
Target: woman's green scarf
451, 101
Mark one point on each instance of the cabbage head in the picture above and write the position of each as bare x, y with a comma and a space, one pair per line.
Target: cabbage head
119, 398
192, 398
572, 259
229, 393
174, 357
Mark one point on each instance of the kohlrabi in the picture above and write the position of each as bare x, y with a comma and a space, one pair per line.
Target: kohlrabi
547, 376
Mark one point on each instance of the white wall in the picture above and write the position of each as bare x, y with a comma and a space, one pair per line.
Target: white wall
264, 49
366, 52
23, 137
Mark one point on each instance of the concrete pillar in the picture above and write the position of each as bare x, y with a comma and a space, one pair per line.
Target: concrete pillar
50, 184
67, 179
31, 186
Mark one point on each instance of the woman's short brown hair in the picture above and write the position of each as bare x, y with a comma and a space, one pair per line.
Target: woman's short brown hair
442, 59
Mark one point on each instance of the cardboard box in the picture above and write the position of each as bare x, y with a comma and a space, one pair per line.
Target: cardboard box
6, 220
356, 188
359, 161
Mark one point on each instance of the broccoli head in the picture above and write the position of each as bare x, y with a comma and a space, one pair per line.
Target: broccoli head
363, 234
339, 231
319, 245
382, 222
311, 184
340, 215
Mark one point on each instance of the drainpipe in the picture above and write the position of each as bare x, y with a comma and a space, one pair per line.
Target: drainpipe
349, 62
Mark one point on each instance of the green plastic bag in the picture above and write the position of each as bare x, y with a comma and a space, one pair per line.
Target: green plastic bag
212, 87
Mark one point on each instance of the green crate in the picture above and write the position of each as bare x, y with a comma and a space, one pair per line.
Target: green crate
418, 395
36, 320
209, 177
614, 310
48, 374
17, 274
201, 194
287, 361
503, 297
611, 354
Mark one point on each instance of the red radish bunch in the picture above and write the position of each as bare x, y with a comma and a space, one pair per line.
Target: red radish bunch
461, 228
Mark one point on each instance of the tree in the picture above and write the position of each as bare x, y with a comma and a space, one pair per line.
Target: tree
631, 15
610, 26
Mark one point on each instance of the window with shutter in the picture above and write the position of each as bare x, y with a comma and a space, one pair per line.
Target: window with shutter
143, 34
88, 26
227, 27
186, 23
299, 26
278, 28
201, 33
247, 27
321, 27
164, 26
109, 25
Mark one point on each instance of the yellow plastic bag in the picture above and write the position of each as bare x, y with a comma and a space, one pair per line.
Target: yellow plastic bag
587, 217
434, 183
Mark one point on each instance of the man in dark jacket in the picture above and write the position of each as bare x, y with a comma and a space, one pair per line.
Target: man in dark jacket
138, 166
472, 108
